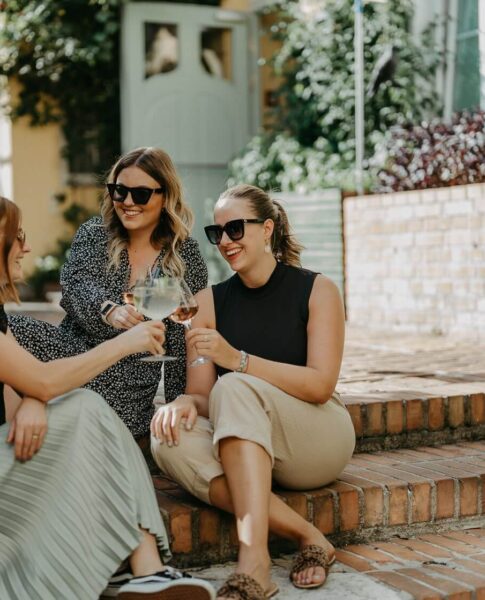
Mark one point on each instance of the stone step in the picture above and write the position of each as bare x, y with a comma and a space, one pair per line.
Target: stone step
405, 491
449, 564
401, 419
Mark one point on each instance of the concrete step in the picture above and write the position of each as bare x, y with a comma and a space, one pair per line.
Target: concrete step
405, 419
449, 564
396, 492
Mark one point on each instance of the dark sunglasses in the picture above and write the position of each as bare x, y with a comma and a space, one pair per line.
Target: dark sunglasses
140, 195
234, 230
21, 236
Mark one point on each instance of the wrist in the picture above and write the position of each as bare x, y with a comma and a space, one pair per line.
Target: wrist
243, 362
107, 309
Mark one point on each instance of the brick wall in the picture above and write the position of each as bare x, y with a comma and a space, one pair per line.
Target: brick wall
415, 261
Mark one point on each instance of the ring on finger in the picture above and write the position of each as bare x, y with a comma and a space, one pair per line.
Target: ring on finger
206, 338
35, 436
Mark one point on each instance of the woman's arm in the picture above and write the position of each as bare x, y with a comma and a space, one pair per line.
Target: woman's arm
45, 381
314, 382
196, 278
200, 380
84, 283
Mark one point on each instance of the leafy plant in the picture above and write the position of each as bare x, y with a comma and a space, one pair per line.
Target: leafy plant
64, 54
433, 154
48, 268
311, 141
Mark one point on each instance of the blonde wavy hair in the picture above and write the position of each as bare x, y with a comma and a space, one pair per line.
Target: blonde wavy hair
9, 228
285, 247
176, 218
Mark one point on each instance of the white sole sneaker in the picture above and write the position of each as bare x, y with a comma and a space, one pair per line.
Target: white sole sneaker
179, 589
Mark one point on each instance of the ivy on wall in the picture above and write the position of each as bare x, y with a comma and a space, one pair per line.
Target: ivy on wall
64, 54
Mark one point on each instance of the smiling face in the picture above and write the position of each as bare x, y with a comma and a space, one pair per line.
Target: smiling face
243, 254
137, 217
12, 249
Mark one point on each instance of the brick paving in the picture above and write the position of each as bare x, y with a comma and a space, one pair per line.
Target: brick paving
401, 492
409, 390
447, 565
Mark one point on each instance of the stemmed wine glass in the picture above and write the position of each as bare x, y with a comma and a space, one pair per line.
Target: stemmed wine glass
184, 313
157, 298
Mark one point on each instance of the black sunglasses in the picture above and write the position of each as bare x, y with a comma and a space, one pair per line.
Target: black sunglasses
234, 230
140, 195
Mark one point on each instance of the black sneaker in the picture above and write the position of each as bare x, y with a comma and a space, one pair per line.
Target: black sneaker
168, 584
115, 583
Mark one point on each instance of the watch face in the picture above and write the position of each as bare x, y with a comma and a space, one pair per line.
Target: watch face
106, 309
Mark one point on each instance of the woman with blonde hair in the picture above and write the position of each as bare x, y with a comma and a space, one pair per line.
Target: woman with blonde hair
144, 223
266, 407
76, 497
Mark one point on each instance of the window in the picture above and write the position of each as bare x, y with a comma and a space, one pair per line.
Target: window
161, 48
466, 93
216, 52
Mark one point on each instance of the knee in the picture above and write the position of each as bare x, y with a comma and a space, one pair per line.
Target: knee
226, 388
165, 455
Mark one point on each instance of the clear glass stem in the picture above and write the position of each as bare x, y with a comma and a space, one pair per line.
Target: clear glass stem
200, 360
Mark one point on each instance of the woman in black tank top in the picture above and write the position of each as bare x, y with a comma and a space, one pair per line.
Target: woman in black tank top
266, 400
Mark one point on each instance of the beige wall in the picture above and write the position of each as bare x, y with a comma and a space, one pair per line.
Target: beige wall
38, 176
415, 261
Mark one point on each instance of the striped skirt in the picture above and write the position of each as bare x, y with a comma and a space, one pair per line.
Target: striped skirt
72, 514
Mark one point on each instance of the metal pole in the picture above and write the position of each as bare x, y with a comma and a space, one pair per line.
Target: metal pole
359, 94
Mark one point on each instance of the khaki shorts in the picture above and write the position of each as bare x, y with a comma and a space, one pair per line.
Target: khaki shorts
309, 444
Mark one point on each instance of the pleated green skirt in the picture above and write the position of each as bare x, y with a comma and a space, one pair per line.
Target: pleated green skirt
72, 514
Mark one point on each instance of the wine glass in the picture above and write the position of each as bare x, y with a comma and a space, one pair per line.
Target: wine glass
184, 314
156, 299
148, 274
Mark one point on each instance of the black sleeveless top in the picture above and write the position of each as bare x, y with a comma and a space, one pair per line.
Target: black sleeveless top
269, 321
3, 329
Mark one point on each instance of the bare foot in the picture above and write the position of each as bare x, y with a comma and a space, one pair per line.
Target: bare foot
259, 568
313, 575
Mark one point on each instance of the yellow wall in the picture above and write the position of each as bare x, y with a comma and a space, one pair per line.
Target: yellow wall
39, 174
242, 5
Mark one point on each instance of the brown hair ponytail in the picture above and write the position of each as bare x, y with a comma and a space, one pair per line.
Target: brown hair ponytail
284, 245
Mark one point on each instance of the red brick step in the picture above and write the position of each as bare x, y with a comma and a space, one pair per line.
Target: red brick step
378, 495
386, 420
429, 567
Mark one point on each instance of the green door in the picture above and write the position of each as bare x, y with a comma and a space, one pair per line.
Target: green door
185, 88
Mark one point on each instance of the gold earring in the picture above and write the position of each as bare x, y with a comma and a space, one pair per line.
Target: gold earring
267, 248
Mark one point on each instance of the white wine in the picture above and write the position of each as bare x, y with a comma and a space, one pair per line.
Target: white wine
152, 303
184, 313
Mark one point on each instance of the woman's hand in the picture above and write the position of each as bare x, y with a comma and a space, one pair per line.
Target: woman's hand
124, 317
148, 336
167, 420
210, 343
28, 428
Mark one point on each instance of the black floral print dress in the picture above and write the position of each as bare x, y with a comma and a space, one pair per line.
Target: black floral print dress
130, 385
